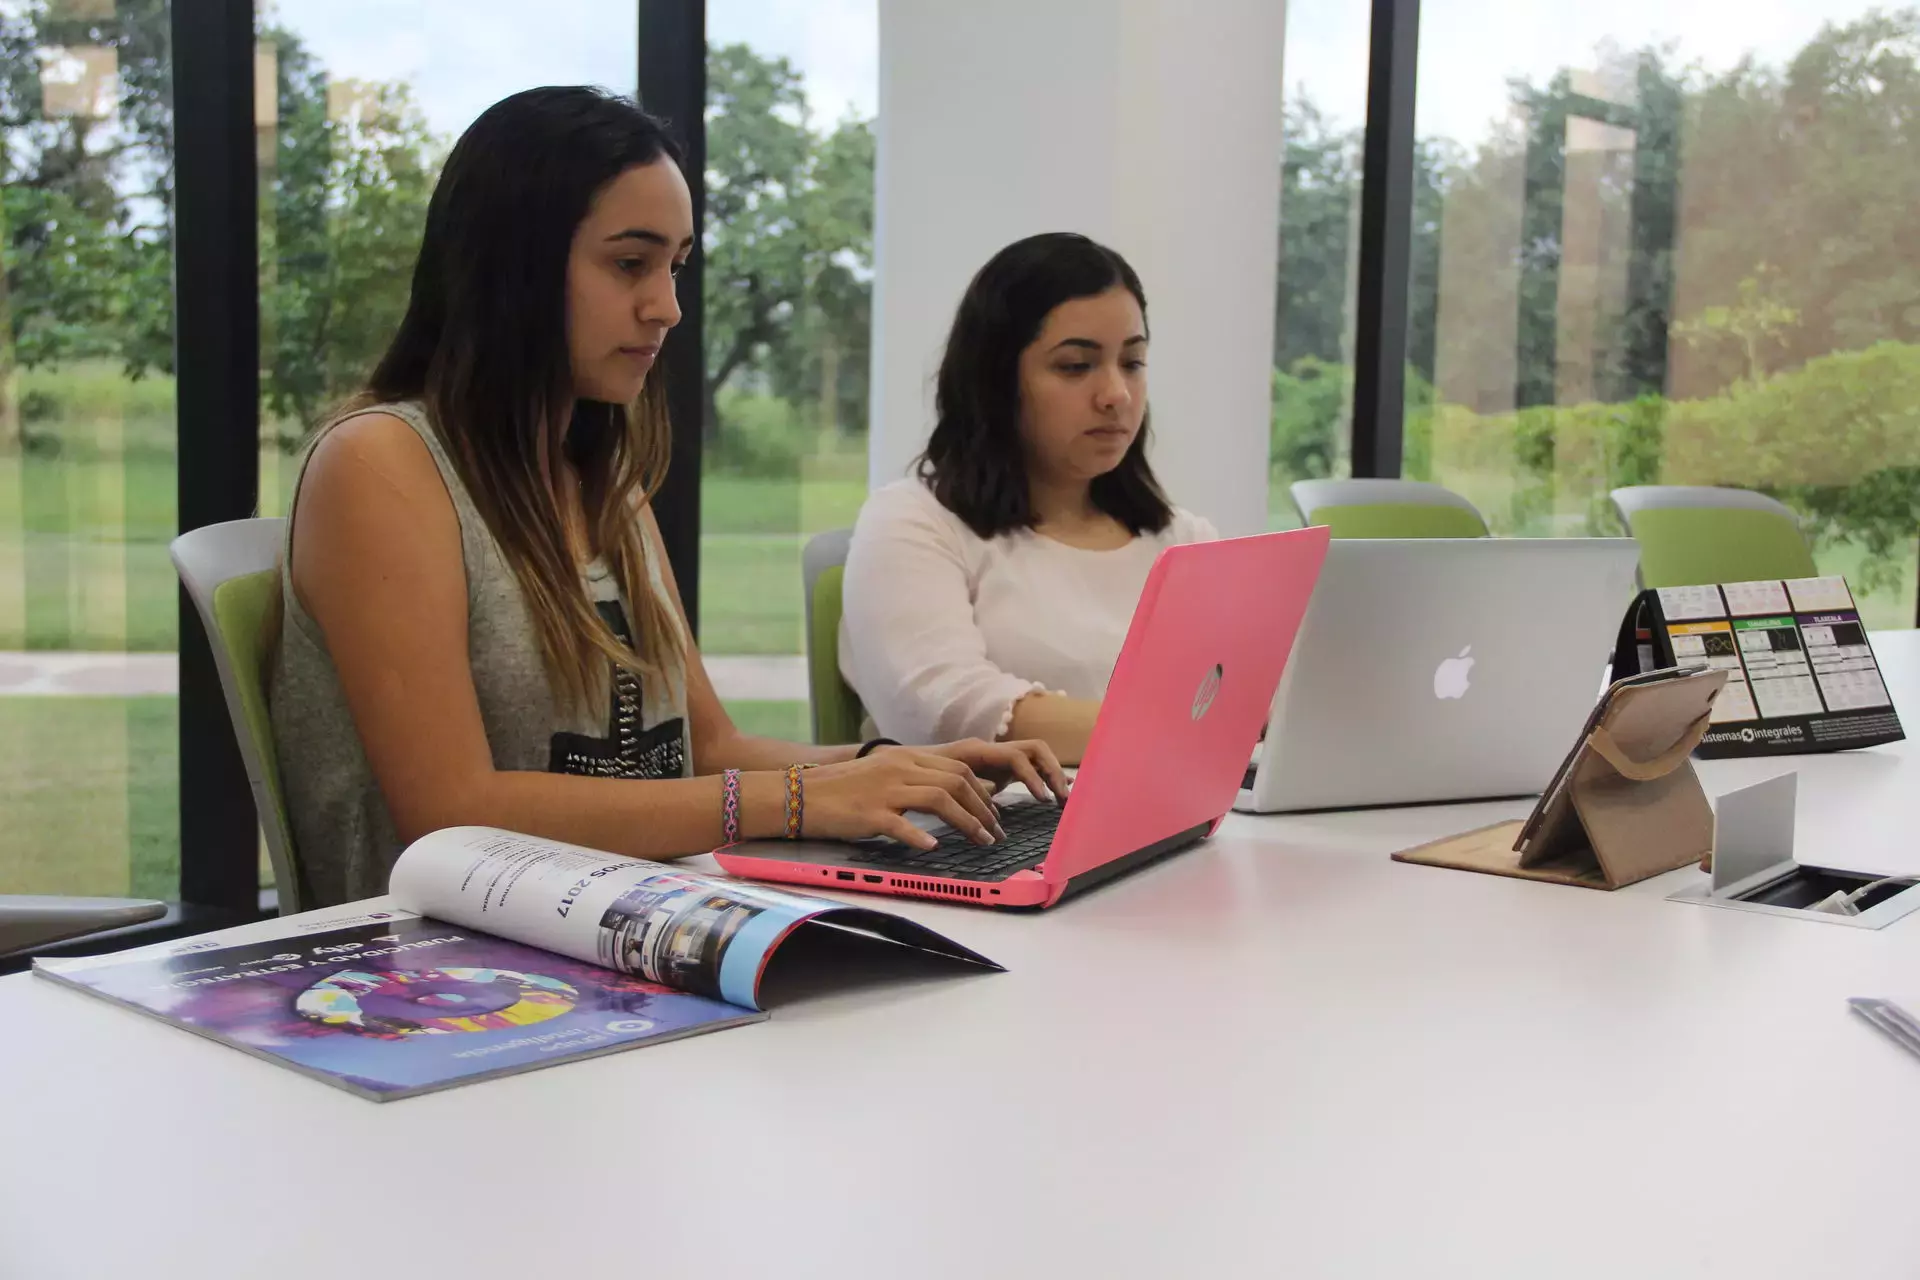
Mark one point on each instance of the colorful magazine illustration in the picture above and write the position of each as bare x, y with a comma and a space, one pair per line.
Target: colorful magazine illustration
497, 953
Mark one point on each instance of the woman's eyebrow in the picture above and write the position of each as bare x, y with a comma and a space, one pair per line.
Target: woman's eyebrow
646, 236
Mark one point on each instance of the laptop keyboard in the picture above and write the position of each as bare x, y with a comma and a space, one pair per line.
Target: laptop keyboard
1029, 829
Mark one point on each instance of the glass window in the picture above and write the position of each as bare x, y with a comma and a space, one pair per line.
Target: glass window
1326, 115
1674, 245
791, 95
357, 103
88, 705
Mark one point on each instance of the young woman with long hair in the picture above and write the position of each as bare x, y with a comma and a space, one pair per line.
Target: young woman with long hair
479, 625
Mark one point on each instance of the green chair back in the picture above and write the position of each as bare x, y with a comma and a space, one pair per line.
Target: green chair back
1687, 546
231, 573
1399, 520
242, 608
836, 708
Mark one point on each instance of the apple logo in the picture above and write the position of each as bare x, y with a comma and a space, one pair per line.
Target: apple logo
1450, 678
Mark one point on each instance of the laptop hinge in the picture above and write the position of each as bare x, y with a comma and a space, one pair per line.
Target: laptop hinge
1137, 859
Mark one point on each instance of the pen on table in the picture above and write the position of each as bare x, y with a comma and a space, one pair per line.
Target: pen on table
1894, 1022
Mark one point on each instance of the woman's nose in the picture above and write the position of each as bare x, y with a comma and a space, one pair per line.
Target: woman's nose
660, 305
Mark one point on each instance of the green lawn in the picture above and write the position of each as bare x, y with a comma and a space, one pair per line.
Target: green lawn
89, 788
785, 720
83, 553
750, 593
813, 503
752, 532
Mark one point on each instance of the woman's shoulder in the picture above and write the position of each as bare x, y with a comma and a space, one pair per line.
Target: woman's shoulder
374, 458
907, 503
1187, 527
904, 526
382, 439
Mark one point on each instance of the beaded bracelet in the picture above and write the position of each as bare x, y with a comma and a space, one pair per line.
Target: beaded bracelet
730, 808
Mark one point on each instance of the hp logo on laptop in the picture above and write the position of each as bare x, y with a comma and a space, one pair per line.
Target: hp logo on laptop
1208, 691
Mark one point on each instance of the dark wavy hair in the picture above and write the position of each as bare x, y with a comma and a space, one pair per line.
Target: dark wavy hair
484, 346
974, 463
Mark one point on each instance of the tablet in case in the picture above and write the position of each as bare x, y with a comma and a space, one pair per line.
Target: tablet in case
1625, 805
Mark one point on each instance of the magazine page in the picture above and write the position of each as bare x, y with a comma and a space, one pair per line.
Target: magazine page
706, 934
392, 1005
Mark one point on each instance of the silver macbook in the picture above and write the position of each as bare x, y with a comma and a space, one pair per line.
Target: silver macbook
1441, 669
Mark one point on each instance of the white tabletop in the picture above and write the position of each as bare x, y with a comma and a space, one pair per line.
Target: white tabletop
1280, 1053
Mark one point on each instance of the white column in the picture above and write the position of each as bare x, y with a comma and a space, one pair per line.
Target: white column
1150, 125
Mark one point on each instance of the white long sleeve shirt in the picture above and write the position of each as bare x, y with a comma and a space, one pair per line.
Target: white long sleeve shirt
943, 631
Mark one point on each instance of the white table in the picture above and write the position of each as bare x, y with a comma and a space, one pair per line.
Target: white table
1280, 1054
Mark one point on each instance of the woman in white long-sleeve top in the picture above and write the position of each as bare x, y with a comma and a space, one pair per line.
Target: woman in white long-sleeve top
988, 597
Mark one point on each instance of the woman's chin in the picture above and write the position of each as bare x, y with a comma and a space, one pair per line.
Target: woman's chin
614, 390
1101, 457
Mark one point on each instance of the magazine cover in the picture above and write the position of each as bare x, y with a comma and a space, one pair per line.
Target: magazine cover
496, 952
402, 1006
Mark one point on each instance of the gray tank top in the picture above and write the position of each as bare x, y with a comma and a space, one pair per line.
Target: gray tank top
342, 831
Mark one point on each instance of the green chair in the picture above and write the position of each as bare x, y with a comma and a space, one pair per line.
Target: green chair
1387, 509
232, 572
1693, 534
836, 708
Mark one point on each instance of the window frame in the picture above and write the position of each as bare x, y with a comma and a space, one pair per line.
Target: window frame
217, 301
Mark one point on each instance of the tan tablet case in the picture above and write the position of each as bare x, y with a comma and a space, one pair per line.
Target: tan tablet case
1629, 806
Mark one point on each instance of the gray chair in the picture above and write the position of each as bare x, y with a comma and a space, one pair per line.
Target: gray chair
35, 920
1694, 534
1373, 508
232, 573
835, 708
1635, 498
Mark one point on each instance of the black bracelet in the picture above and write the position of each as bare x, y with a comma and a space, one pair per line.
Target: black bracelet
869, 748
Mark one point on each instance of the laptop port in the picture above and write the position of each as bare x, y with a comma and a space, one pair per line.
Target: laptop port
843, 875
874, 879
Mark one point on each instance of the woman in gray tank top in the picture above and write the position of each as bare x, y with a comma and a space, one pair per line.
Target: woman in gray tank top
479, 624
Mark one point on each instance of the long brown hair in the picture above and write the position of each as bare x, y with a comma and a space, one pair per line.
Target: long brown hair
484, 347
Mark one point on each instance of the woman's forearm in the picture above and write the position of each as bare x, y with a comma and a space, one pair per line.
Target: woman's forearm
1064, 724
746, 751
651, 818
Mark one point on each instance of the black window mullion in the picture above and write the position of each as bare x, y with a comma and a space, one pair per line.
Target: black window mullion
1386, 236
673, 85
217, 363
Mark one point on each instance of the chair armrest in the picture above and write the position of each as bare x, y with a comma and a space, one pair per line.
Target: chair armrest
38, 920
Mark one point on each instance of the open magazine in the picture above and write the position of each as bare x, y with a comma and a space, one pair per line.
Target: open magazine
495, 953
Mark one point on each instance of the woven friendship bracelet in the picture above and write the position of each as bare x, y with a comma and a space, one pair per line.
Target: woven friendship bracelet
730, 807
796, 801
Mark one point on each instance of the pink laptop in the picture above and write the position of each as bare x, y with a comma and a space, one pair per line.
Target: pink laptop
1188, 698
